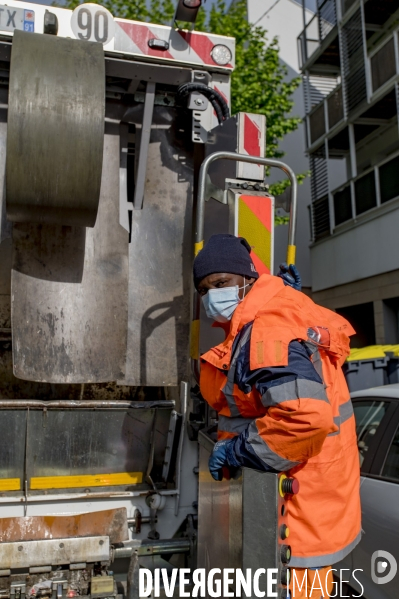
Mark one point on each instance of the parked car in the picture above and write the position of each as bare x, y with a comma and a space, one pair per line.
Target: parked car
377, 426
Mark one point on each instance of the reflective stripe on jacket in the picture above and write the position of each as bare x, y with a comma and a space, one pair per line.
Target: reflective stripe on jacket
288, 401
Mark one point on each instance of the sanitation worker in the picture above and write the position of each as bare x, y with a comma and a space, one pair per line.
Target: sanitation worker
283, 404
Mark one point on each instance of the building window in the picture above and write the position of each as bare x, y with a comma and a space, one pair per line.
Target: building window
317, 123
365, 195
320, 219
361, 317
391, 320
342, 205
335, 108
389, 180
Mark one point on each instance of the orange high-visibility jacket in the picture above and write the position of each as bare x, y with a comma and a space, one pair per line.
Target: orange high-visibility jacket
303, 427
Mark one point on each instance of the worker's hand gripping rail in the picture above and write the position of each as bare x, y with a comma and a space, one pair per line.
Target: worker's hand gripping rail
199, 228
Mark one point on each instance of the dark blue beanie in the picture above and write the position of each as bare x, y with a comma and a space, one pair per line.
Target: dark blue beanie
224, 253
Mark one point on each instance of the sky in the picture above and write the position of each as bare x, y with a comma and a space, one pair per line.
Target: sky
311, 4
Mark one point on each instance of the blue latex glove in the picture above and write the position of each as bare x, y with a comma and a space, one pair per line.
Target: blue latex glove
290, 276
222, 456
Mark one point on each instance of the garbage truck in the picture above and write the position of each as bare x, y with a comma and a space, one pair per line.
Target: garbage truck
119, 157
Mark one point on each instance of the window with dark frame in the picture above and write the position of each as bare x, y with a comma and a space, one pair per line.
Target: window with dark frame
368, 416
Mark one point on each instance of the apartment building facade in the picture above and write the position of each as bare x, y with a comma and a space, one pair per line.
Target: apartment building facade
349, 58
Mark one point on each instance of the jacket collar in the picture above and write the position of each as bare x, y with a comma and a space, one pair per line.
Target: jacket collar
263, 290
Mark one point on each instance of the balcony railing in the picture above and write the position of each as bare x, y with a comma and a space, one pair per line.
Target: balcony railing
335, 107
330, 111
369, 190
383, 64
317, 29
320, 218
363, 77
326, 115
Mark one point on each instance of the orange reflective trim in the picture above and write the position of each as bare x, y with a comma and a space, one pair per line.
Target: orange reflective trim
278, 350
259, 351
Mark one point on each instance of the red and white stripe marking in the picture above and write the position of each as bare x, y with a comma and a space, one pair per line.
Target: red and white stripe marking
251, 141
131, 37
252, 135
184, 46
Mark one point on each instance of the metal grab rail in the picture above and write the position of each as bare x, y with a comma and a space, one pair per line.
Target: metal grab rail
199, 228
145, 548
199, 221
86, 404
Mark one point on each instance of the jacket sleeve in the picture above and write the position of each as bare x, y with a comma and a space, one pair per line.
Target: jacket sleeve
298, 418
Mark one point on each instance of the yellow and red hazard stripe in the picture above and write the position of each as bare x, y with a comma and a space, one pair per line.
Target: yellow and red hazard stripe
255, 214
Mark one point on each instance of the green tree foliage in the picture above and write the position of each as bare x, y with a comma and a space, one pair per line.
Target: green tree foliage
135, 10
258, 81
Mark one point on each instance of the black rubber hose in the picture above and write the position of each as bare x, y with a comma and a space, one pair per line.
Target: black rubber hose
208, 92
214, 97
218, 111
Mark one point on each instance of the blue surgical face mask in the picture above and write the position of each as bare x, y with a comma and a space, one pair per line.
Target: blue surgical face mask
220, 303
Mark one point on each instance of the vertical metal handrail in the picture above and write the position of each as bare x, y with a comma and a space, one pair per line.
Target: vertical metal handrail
184, 390
199, 228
